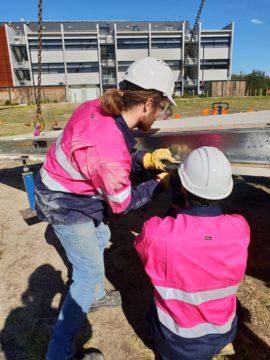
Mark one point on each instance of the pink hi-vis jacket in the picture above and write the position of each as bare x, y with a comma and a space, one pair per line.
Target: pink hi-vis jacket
90, 158
196, 264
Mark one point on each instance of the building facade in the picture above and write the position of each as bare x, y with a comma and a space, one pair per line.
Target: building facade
89, 57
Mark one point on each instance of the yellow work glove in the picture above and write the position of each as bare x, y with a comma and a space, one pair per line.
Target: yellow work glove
164, 179
155, 159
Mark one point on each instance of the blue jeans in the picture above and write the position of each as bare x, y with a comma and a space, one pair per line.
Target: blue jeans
84, 245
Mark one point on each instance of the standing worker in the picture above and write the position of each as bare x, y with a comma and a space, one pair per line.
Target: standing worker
87, 169
196, 261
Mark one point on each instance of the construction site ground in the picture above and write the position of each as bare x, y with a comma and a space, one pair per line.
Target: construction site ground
34, 272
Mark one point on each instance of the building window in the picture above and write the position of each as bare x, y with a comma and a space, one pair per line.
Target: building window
136, 28
80, 44
123, 65
49, 68
215, 42
20, 52
132, 43
22, 74
166, 43
168, 27
214, 64
47, 44
82, 67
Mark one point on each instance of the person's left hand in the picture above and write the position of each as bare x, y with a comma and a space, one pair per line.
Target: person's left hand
155, 160
164, 178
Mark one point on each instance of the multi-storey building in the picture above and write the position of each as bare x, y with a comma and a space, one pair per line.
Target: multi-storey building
89, 57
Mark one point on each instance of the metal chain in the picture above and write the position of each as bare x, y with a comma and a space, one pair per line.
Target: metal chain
187, 50
39, 124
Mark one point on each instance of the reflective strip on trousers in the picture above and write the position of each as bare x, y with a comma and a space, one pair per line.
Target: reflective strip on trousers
196, 331
63, 162
118, 198
195, 298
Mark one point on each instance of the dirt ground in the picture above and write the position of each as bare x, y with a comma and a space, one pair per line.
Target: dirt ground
34, 272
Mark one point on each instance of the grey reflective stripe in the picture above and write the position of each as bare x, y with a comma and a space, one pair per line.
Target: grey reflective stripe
196, 331
50, 182
196, 297
63, 162
97, 197
118, 198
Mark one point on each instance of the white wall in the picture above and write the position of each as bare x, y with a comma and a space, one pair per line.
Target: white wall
71, 56
167, 54
78, 94
218, 74
131, 54
214, 53
81, 55
55, 56
51, 79
83, 78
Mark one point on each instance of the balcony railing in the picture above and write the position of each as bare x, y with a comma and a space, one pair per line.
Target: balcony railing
22, 64
191, 61
109, 81
191, 82
18, 40
108, 62
194, 39
106, 38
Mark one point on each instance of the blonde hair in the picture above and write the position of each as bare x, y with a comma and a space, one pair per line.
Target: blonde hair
115, 101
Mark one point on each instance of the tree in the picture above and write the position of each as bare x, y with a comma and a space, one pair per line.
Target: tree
257, 81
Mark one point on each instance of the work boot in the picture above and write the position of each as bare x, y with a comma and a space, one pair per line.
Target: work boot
111, 298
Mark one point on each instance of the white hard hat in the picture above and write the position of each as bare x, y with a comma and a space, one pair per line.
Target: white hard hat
151, 73
207, 173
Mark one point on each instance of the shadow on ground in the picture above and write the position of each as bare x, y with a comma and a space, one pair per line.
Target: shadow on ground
27, 328
251, 198
12, 176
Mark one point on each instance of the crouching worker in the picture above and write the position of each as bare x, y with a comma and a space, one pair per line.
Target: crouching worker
196, 261
86, 170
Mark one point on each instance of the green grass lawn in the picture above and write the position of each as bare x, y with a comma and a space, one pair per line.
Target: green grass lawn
194, 106
19, 119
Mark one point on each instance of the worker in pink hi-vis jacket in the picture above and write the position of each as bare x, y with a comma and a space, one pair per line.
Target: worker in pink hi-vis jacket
196, 260
88, 169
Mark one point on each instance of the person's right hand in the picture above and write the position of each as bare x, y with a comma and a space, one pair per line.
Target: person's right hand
157, 159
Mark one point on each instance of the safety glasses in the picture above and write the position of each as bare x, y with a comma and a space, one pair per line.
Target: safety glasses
165, 111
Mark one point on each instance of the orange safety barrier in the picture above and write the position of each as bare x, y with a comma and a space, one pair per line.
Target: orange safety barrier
214, 112
224, 111
205, 112
250, 110
177, 116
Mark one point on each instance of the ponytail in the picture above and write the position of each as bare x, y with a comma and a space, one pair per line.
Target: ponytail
115, 101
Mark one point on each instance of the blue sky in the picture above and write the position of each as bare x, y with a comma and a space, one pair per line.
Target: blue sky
251, 18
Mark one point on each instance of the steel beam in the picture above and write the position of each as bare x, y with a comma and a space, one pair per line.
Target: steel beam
244, 138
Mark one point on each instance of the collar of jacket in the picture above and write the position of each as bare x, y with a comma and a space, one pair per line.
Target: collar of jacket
214, 210
125, 130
